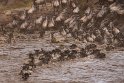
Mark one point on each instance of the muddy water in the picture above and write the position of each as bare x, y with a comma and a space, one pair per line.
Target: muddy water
85, 70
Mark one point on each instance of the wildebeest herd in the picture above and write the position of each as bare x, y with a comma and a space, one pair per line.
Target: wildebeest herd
42, 57
88, 25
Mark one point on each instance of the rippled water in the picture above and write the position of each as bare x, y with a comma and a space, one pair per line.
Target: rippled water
85, 70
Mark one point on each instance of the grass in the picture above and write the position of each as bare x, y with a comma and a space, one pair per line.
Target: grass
16, 5
28, 4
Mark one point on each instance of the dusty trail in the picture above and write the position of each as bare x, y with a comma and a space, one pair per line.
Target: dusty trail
85, 70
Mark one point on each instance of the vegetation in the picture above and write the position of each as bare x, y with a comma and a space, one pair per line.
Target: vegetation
27, 3
18, 4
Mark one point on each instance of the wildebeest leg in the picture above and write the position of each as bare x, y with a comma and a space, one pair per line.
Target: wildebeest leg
87, 1
55, 10
10, 37
101, 2
46, 5
42, 32
34, 2
2, 29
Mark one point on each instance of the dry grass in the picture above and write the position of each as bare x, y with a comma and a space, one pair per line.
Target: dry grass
16, 5
28, 3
